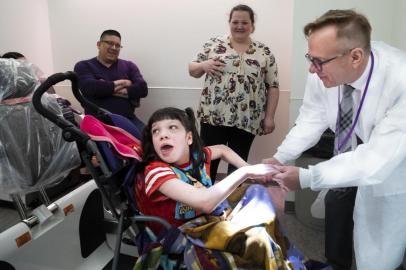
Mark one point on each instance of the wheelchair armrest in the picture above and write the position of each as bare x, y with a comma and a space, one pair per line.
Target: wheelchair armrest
151, 219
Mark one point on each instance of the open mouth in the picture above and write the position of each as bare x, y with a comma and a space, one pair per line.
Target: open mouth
166, 149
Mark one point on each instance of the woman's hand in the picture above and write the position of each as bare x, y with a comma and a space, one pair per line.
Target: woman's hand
268, 125
213, 67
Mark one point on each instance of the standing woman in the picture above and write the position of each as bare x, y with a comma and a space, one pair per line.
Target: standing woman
241, 88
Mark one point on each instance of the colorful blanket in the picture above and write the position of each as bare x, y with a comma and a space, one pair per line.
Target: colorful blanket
246, 236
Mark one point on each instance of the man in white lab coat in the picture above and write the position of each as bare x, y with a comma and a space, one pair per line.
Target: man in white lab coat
341, 54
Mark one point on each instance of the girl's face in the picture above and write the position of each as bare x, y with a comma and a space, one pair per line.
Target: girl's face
241, 25
171, 141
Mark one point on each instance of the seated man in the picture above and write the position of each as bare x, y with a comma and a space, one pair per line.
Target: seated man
111, 83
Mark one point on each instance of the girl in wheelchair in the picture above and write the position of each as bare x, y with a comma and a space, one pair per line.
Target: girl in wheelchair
227, 225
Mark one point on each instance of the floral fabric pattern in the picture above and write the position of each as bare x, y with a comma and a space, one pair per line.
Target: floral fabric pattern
237, 98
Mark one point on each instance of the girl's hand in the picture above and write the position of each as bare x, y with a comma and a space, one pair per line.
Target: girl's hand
263, 172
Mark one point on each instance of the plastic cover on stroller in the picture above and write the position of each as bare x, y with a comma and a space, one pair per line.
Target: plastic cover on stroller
32, 151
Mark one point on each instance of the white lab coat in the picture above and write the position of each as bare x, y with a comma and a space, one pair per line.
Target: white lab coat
377, 167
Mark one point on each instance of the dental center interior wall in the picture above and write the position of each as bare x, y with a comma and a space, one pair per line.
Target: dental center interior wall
160, 36
25, 29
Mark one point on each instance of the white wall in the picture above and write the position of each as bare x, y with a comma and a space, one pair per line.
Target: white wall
161, 36
399, 25
25, 29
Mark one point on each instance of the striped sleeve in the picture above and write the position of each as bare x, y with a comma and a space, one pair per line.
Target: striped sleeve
156, 174
207, 152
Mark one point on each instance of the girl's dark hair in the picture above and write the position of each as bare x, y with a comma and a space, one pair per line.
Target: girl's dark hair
188, 120
243, 8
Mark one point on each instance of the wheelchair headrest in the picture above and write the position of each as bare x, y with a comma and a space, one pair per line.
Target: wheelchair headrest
122, 141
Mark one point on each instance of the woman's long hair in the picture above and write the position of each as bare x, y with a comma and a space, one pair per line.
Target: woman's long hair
188, 120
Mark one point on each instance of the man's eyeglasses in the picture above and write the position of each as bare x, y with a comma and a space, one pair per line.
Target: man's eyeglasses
112, 44
318, 63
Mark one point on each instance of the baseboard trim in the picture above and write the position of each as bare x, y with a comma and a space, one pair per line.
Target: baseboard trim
289, 207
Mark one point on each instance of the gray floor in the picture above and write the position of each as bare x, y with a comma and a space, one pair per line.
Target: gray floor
303, 234
306, 239
307, 231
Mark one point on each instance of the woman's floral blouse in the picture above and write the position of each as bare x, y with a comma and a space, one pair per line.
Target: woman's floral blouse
238, 97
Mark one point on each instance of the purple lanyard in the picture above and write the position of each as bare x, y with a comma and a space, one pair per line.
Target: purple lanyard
348, 136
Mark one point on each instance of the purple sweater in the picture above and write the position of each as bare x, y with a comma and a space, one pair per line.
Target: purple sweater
96, 84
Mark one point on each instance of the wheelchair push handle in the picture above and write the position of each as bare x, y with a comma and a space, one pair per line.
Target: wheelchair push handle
41, 109
70, 131
57, 78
